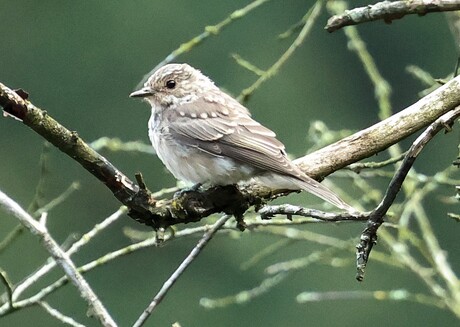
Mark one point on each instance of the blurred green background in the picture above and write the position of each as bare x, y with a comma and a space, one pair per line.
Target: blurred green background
79, 60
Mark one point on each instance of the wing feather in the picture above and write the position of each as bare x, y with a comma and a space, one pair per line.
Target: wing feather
211, 127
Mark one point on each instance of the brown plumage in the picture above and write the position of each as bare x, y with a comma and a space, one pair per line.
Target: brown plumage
203, 135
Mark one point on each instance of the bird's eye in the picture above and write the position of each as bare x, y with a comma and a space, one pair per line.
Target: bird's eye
171, 84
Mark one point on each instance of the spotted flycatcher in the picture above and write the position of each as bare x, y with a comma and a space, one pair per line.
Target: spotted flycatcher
203, 135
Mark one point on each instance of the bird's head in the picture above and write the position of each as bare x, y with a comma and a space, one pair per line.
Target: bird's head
174, 84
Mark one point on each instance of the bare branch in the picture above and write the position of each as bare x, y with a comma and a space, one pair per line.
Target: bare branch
309, 19
383, 134
60, 257
369, 235
290, 210
9, 288
389, 11
180, 270
59, 316
208, 31
85, 239
393, 295
193, 206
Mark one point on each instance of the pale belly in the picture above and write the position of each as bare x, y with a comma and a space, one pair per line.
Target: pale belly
194, 166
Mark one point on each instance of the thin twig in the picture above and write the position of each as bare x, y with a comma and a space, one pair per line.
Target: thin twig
369, 235
359, 166
208, 31
10, 237
267, 212
382, 89
180, 270
246, 64
9, 288
244, 296
58, 200
393, 295
115, 145
59, 316
85, 239
17, 230
309, 19
61, 258
38, 197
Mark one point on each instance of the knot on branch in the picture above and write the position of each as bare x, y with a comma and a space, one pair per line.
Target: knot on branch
192, 205
13, 103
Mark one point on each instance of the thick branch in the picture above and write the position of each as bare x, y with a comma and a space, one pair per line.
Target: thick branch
380, 136
389, 11
67, 141
374, 218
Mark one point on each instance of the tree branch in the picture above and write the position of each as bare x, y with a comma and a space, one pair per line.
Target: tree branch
180, 270
389, 11
61, 258
193, 206
382, 135
375, 217
369, 235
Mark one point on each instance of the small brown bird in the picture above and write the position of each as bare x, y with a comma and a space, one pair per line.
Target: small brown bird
203, 135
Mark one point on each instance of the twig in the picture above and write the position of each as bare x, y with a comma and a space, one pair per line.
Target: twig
208, 31
375, 217
180, 270
389, 11
454, 216
382, 89
422, 75
267, 212
244, 296
440, 262
85, 239
38, 197
253, 225
309, 236
394, 295
17, 230
59, 316
194, 206
11, 236
389, 131
369, 235
9, 288
116, 145
58, 200
39, 296
264, 253
311, 258
61, 258
309, 19
453, 20
403, 255
359, 166
246, 64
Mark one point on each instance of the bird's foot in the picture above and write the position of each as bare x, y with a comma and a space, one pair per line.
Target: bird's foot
184, 191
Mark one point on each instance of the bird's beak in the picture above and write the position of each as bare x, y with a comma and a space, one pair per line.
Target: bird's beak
142, 93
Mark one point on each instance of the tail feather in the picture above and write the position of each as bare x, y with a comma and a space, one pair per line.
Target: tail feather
307, 184
311, 186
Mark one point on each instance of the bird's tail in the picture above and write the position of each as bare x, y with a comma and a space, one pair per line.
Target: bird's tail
307, 184
311, 186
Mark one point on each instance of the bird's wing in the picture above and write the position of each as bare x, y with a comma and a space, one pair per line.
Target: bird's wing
219, 130
227, 129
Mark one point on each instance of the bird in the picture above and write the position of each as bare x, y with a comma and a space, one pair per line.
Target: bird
204, 136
